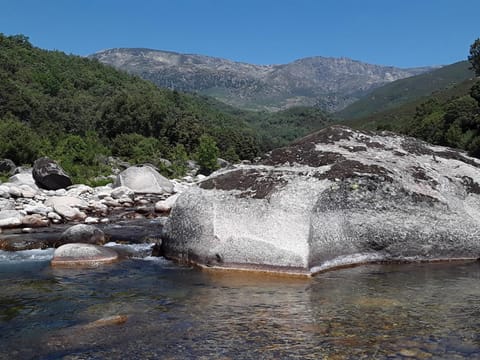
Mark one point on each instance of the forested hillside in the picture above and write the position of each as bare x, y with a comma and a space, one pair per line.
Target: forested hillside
78, 111
407, 90
75, 109
449, 117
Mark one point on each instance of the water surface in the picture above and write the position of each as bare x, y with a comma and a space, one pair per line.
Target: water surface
174, 312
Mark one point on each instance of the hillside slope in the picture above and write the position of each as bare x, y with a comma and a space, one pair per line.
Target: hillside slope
407, 90
327, 83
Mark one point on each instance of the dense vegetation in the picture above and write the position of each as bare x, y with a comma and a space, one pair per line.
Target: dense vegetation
450, 117
80, 111
407, 90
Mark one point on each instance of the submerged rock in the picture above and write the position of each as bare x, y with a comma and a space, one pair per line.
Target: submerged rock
333, 198
73, 255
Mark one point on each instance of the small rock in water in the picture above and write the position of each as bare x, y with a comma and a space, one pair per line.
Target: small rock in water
74, 255
83, 233
414, 353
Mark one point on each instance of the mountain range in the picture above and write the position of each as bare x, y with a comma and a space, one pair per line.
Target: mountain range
330, 84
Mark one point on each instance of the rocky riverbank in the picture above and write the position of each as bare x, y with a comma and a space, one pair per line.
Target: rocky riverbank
36, 208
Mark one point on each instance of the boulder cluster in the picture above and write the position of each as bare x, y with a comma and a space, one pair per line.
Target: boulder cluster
45, 195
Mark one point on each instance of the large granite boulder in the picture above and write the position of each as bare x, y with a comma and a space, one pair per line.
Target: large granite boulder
144, 180
49, 175
334, 198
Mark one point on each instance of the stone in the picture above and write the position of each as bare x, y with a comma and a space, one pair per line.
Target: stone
91, 220
15, 191
10, 218
106, 321
37, 209
49, 175
61, 192
78, 190
143, 180
164, 206
75, 255
166, 163
69, 213
334, 198
7, 166
35, 221
222, 163
27, 191
54, 216
7, 204
4, 192
66, 200
98, 207
23, 178
122, 192
83, 233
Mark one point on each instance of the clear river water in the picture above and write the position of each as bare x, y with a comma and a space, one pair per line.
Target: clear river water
402, 311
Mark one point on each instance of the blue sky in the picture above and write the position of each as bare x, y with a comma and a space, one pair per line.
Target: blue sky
403, 33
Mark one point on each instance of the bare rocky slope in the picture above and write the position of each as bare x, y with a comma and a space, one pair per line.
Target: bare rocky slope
329, 83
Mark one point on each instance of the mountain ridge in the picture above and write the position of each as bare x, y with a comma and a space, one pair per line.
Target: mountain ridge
325, 82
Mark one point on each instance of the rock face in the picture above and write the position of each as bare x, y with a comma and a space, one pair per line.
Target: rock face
74, 255
333, 198
143, 180
49, 175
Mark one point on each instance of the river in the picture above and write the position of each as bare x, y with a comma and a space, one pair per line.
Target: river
174, 312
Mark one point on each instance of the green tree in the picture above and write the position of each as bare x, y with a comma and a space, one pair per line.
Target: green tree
474, 56
475, 92
231, 155
179, 159
207, 154
80, 157
18, 142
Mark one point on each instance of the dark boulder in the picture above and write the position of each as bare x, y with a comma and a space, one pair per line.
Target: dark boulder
49, 175
7, 166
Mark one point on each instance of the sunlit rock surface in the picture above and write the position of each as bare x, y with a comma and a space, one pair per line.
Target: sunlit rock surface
334, 198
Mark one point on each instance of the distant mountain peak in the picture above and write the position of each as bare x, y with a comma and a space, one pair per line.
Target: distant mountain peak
325, 82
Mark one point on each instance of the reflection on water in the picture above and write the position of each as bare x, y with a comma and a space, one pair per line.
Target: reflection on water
373, 311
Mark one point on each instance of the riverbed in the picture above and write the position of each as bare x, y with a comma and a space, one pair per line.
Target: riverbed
175, 312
